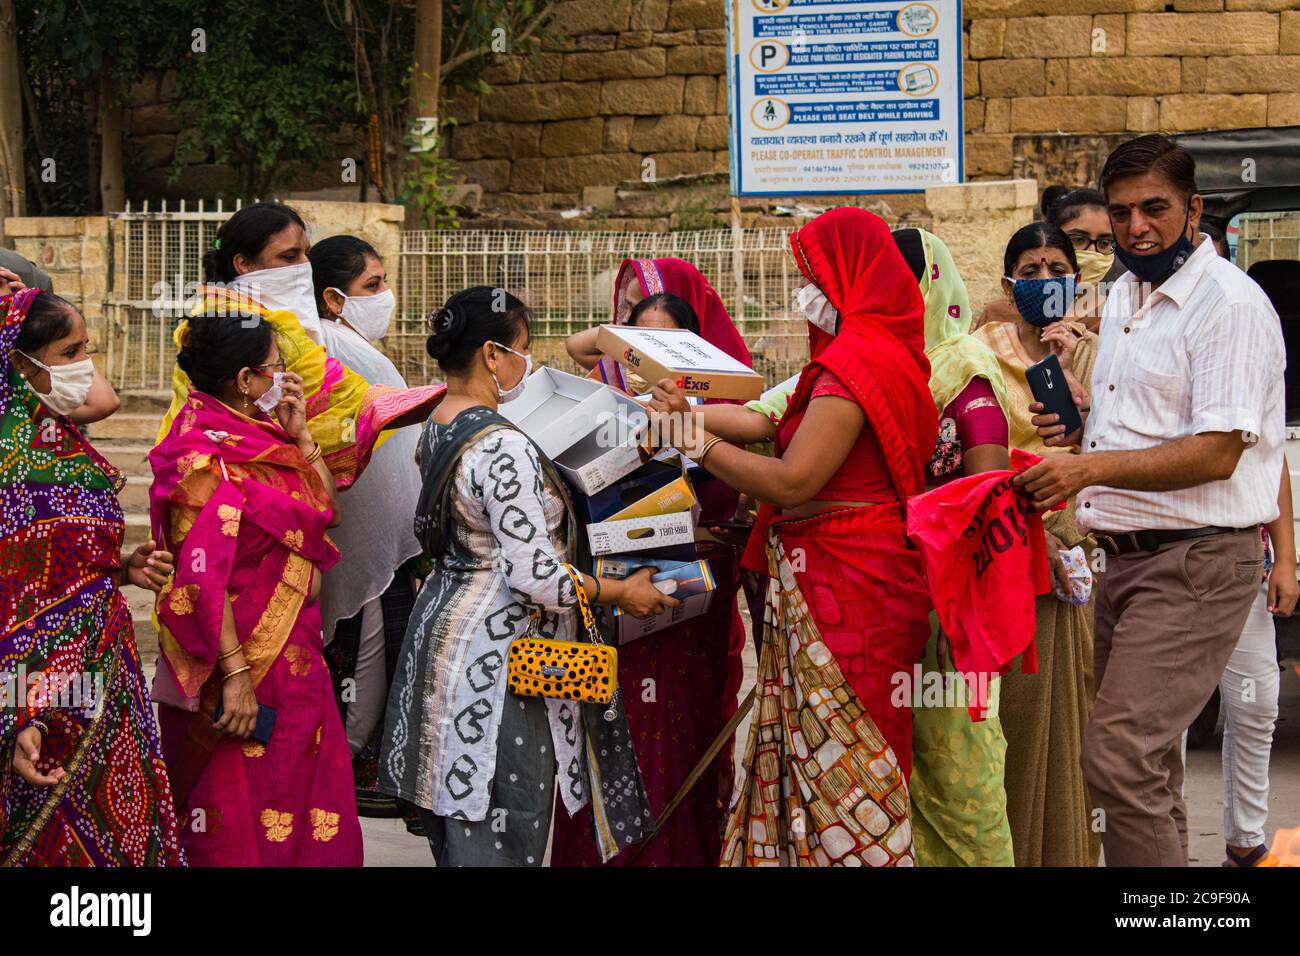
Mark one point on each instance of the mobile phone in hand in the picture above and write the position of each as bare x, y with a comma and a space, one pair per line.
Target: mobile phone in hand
1047, 382
262, 729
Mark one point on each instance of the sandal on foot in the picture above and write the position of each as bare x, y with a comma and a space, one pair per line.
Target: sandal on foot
1255, 857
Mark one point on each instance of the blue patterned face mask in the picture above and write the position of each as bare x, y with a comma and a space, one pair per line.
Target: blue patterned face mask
1041, 302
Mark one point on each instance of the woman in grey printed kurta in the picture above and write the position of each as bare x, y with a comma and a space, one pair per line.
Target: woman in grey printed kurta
478, 760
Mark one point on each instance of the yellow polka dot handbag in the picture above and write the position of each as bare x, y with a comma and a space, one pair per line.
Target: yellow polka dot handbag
568, 670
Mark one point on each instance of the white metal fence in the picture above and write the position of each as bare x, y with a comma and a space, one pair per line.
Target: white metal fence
1267, 235
157, 256
566, 277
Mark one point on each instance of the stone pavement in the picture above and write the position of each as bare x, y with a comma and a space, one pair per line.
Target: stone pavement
388, 843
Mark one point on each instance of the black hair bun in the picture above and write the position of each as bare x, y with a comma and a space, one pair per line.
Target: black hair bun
446, 324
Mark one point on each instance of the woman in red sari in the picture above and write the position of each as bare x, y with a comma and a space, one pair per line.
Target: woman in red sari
682, 681
825, 773
242, 496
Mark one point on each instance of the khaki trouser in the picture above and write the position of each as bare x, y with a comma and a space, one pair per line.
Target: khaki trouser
1167, 622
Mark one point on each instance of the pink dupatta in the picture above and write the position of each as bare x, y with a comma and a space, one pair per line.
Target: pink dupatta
235, 500
680, 278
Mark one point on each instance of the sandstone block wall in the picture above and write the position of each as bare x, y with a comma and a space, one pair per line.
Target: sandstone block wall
74, 251
623, 123
1087, 67
1050, 87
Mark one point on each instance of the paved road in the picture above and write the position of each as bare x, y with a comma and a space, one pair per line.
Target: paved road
388, 843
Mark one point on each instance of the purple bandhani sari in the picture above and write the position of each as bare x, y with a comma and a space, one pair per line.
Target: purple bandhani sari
246, 515
65, 630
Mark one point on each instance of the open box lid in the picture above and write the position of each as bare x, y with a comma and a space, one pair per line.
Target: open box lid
557, 410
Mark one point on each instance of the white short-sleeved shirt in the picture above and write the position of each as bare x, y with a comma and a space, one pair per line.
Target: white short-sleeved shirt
1203, 354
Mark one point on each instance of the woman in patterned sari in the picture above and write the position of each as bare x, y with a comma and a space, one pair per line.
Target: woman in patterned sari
82, 780
694, 667
242, 495
824, 780
959, 801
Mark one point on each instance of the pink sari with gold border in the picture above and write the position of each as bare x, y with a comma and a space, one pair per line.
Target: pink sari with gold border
246, 515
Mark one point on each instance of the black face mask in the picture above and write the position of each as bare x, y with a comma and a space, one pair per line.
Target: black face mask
1161, 265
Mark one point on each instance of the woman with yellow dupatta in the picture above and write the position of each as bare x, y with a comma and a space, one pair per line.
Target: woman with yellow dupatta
258, 266
1043, 714
261, 766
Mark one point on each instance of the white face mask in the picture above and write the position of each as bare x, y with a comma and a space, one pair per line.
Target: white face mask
369, 315
287, 288
510, 394
69, 384
271, 397
812, 302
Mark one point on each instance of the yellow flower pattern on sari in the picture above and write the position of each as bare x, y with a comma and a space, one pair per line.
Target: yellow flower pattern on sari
324, 824
181, 600
278, 825
253, 749
299, 659
229, 516
293, 539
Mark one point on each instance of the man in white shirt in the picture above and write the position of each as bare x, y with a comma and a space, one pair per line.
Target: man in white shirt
1182, 457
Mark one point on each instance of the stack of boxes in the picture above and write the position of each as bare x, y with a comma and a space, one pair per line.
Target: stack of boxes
636, 513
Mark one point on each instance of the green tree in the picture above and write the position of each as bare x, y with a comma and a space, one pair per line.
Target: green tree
82, 58
272, 88
381, 37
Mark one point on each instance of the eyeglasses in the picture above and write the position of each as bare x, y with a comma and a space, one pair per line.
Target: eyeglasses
1104, 244
273, 366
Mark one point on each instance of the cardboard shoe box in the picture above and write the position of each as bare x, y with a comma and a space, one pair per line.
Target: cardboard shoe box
657, 487
691, 582
609, 453
587, 429
698, 367
643, 534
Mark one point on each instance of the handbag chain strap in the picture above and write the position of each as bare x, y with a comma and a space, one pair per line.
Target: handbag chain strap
589, 621
584, 606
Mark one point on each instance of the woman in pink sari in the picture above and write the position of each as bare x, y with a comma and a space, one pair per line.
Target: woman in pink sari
243, 496
683, 681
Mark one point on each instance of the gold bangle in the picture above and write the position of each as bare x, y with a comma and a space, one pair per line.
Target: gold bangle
237, 670
231, 653
699, 459
315, 453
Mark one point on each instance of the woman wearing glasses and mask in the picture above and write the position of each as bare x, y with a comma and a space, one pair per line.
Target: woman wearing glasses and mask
479, 761
242, 495
1081, 215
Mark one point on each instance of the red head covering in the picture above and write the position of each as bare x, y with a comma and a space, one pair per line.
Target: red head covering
879, 351
686, 282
